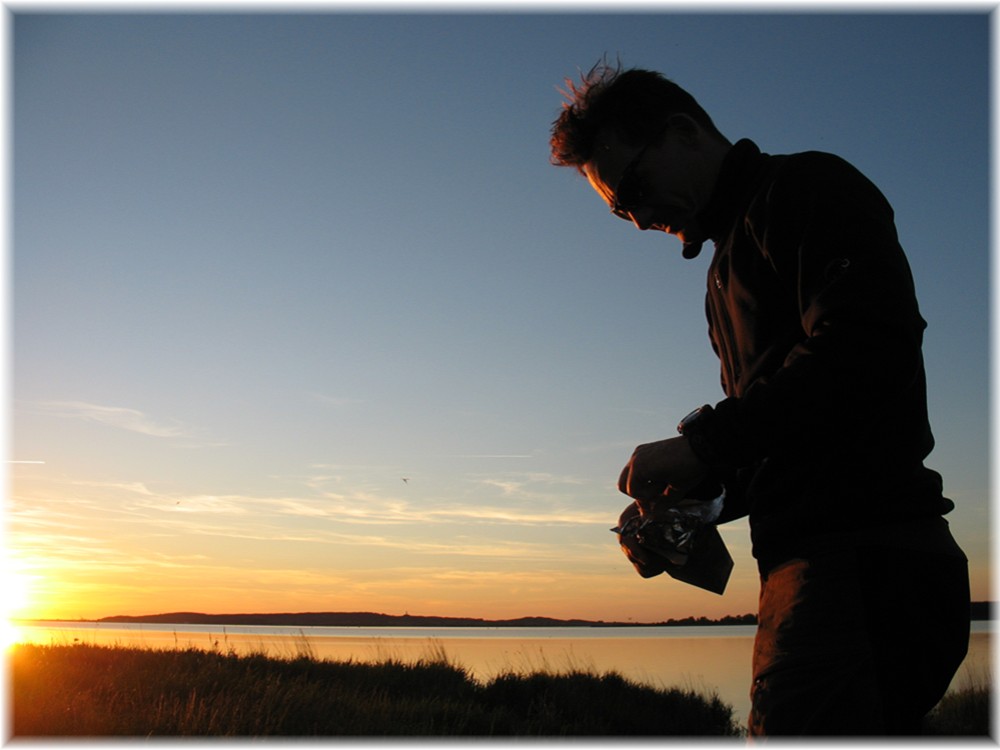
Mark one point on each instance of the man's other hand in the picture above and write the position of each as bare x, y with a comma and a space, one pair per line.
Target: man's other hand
662, 471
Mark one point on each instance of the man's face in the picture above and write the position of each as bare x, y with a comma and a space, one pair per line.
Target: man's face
661, 185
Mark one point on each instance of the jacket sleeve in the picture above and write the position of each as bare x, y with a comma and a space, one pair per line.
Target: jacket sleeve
855, 378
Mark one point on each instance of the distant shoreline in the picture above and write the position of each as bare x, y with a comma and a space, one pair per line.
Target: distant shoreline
979, 611
375, 619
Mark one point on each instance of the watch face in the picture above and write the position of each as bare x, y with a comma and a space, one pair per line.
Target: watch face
690, 419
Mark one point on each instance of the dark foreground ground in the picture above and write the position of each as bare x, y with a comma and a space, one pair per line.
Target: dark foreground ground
97, 691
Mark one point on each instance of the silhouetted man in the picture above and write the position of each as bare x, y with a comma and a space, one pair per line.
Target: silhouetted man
821, 439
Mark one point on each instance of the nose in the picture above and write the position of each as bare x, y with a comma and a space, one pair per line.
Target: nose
641, 218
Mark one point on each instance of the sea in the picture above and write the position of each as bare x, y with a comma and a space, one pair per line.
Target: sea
713, 659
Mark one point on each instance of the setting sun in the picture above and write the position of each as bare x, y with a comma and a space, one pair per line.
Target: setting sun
16, 603
16, 592
10, 634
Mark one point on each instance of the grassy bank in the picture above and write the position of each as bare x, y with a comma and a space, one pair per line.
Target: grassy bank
86, 690
964, 712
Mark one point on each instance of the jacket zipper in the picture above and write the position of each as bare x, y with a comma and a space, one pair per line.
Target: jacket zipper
724, 327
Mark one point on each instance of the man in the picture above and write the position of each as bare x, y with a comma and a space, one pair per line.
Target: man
821, 439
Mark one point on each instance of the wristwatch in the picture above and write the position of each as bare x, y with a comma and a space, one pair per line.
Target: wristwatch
696, 427
694, 422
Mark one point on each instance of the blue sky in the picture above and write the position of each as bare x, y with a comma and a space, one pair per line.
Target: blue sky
264, 267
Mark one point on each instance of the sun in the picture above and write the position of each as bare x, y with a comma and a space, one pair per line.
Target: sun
17, 590
10, 635
17, 599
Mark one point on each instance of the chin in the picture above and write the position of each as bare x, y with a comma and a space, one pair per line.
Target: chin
689, 235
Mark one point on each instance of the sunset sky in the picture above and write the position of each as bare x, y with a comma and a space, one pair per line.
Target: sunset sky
303, 319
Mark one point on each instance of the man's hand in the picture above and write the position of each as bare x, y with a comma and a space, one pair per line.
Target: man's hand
666, 469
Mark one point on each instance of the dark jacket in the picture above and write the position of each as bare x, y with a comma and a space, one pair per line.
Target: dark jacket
813, 314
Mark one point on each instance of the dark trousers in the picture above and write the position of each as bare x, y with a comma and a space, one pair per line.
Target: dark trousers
860, 639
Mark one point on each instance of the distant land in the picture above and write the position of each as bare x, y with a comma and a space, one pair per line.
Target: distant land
979, 611
374, 619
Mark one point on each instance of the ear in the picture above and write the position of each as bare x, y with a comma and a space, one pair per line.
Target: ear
685, 126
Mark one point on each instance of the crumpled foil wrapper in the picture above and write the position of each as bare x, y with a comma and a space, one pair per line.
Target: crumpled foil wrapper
680, 540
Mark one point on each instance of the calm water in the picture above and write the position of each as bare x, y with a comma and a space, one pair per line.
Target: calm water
711, 659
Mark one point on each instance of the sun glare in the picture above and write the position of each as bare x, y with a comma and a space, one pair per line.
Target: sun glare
17, 600
10, 634
16, 592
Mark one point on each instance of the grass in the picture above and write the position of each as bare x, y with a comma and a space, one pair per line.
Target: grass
84, 690
966, 711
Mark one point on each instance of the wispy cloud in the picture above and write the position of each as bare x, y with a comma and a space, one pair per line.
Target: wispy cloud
138, 488
118, 417
495, 455
354, 508
374, 510
529, 485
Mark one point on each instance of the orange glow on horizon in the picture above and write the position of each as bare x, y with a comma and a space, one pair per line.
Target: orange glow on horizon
51, 592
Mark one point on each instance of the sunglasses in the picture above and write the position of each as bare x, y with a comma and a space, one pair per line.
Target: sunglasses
630, 193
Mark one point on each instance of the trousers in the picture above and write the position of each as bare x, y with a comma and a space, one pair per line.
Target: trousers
861, 638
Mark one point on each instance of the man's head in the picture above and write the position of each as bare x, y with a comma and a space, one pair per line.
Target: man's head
644, 144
